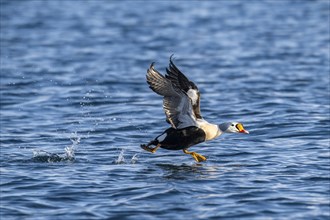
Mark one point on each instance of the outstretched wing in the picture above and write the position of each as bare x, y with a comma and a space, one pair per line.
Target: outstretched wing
176, 103
181, 81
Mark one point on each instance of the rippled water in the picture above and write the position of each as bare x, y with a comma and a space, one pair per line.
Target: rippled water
75, 107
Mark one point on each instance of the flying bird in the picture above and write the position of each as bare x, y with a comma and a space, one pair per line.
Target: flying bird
181, 103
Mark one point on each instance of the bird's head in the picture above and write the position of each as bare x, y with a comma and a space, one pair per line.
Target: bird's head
233, 127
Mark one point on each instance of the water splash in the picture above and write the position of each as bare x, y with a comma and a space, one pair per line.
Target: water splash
134, 159
70, 150
68, 155
46, 157
121, 158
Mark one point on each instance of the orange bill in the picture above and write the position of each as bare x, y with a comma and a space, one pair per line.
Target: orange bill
241, 128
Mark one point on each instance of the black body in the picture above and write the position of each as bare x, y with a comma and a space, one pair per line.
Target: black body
178, 139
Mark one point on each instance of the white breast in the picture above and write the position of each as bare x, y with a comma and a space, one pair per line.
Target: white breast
211, 130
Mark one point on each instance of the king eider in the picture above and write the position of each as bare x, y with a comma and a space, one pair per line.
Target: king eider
181, 104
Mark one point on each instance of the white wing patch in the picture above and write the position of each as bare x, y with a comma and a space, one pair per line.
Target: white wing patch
181, 96
192, 93
161, 137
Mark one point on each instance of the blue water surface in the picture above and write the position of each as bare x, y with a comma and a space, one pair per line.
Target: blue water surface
75, 107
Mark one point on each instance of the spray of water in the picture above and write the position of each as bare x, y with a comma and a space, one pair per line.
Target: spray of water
121, 158
70, 150
134, 159
68, 155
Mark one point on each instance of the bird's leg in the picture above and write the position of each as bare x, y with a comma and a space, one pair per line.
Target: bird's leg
147, 148
196, 156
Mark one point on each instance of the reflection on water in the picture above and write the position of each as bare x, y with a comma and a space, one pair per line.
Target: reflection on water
182, 172
196, 171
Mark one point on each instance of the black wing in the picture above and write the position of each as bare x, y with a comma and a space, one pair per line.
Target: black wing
181, 81
177, 105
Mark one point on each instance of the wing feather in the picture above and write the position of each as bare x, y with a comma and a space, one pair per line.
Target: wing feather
158, 83
176, 103
182, 82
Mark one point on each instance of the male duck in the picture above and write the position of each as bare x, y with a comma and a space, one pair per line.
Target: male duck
181, 104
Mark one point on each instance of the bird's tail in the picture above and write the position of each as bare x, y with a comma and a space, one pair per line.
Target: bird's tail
153, 142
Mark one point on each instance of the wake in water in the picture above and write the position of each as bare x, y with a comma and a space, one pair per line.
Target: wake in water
68, 155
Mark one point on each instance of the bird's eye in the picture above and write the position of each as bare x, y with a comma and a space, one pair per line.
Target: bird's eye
232, 125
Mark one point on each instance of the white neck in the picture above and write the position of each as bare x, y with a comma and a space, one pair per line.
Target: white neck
211, 130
